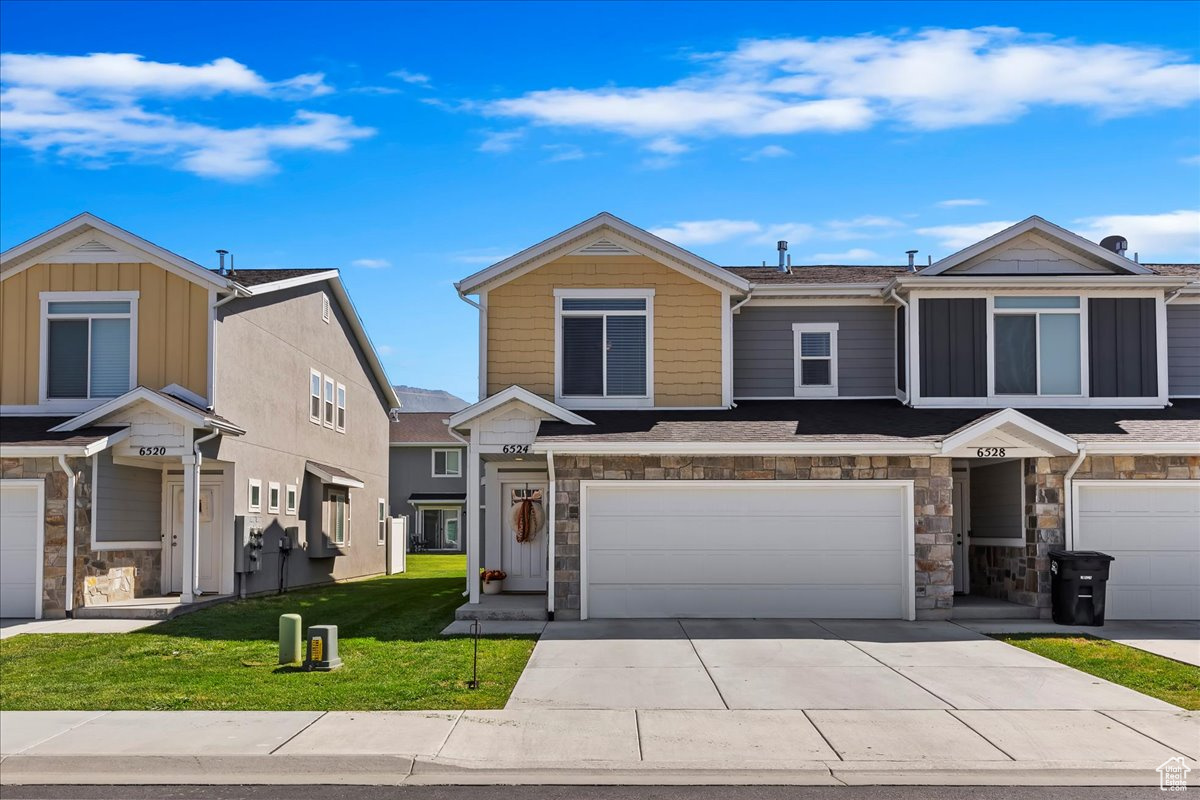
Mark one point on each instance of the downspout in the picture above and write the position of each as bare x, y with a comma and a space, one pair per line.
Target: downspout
550, 535
466, 299
733, 310
466, 511
195, 577
72, 480
1068, 512
907, 345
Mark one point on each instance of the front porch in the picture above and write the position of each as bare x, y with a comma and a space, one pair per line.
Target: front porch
507, 607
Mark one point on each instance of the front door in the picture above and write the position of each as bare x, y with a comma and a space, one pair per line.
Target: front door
210, 539
962, 522
523, 536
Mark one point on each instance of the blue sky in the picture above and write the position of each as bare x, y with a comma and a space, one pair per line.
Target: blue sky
413, 144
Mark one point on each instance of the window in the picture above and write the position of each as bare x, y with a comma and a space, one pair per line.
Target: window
447, 463
314, 396
341, 408
338, 501
439, 528
382, 521
273, 498
328, 401
815, 353
604, 344
1036, 345
89, 341
254, 502
289, 503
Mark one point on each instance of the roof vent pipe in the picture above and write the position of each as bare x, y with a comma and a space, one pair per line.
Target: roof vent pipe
1118, 244
781, 246
221, 268
912, 266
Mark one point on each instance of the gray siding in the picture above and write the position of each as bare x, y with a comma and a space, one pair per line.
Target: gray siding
763, 354
1123, 355
128, 502
997, 511
412, 471
953, 349
1183, 349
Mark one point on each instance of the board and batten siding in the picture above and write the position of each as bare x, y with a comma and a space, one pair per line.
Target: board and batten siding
764, 350
687, 326
1122, 347
172, 340
127, 502
953, 347
1183, 349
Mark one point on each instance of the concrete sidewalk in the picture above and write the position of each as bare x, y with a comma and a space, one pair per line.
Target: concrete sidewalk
831, 747
1177, 639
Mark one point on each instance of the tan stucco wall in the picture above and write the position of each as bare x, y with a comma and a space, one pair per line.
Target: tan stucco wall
687, 327
172, 341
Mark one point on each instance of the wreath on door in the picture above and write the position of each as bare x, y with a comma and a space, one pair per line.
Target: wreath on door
528, 516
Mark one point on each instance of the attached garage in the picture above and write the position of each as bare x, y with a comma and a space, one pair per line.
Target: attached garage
21, 519
747, 549
1152, 528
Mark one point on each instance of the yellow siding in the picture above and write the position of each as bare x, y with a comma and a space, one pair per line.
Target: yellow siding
172, 324
687, 327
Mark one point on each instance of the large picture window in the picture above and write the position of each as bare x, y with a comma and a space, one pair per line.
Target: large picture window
604, 346
89, 345
1036, 346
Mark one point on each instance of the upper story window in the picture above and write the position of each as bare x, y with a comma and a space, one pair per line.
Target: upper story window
447, 463
89, 344
329, 407
604, 345
341, 409
1036, 345
314, 396
815, 356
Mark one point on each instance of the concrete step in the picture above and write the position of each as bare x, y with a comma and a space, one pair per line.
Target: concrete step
156, 608
972, 607
507, 607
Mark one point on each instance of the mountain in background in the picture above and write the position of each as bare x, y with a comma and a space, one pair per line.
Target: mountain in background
414, 399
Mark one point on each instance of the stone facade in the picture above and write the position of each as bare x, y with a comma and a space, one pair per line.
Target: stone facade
931, 505
1022, 575
100, 576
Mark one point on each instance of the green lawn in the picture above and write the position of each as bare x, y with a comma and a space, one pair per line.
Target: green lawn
1164, 678
224, 657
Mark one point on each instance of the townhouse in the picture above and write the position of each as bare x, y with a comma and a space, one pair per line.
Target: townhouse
660, 436
171, 431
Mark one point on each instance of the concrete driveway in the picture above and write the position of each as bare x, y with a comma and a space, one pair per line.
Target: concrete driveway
835, 665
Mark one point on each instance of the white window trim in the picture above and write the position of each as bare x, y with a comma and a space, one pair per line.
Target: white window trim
573, 402
273, 489
1082, 316
799, 328
328, 401
290, 501
433, 462
339, 404
252, 484
383, 520
312, 373
80, 404
996, 541
332, 511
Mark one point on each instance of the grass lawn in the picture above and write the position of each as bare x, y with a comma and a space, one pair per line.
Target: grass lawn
1164, 678
224, 657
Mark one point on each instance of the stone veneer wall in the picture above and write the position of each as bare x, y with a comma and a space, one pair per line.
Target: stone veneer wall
1023, 575
931, 495
100, 576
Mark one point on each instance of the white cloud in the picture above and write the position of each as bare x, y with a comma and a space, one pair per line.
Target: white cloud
385, 349
706, 231
931, 79
96, 110
415, 78
961, 202
1155, 237
861, 227
770, 151
500, 141
1191, 161
666, 150
485, 256
371, 263
960, 236
564, 152
787, 231
855, 255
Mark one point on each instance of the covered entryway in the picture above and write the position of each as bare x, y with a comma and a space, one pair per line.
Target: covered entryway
21, 521
1152, 528
747, 549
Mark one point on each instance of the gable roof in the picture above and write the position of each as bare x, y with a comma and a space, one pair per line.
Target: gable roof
613, 232
168, 404
25, 254
517, 394
426, 427
1036, 223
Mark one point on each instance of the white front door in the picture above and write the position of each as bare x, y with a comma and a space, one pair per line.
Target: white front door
20, 548
525, 562
210, 539
962, 523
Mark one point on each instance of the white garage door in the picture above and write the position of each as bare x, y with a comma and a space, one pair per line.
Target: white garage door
1153, 530
20, 533
747, 549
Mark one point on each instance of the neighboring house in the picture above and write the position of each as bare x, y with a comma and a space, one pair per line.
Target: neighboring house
816, 441
428, 484
190, 418
414, 399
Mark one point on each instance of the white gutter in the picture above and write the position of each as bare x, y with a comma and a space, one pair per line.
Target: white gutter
72, 479
743, 302
237, 292
196, 513
550, 533
466, 299
1034, 281
1068, 511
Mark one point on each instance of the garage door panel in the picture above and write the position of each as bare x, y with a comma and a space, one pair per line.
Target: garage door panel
20, 520
845, 602
795, 499
740, 568
771, 533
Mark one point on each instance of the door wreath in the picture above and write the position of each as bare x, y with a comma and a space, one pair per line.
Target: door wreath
528, 516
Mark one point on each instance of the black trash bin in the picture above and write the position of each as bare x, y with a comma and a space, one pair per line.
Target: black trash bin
1078, 579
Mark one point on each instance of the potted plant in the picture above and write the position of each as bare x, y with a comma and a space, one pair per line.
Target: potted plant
493, 580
